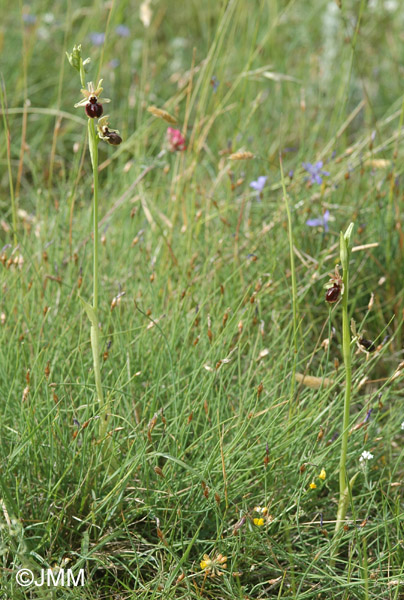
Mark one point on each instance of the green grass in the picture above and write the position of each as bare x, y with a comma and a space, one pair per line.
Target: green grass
200, 362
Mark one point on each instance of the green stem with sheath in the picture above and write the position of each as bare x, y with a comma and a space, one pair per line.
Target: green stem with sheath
345, 487
95, 332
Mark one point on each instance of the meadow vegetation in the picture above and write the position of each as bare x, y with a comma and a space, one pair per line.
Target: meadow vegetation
222, 364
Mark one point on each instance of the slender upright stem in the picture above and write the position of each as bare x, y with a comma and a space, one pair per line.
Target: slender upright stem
346, 352
94, 162
95, 336
345, 487
82, 74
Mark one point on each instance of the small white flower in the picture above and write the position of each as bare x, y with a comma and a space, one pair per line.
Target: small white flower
402, 425
49, 18
365, 456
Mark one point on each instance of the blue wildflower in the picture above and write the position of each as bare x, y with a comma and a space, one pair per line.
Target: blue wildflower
122, 30
97, 38
315, 171
29, 19
258, 185
320, 222
366, 419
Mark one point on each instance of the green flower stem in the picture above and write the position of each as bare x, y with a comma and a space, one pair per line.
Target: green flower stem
346, 352
93, 143
82, 74
95, 335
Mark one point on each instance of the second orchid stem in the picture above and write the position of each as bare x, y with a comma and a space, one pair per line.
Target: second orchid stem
345, 487
346, 352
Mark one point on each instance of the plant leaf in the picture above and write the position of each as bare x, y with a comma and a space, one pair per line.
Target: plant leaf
92, 315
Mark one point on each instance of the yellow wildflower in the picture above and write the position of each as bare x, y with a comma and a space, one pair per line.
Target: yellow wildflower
259, 522
206, 562
313, 485
213, 566
322, 474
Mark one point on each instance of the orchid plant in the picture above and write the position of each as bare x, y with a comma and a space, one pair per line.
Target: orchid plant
94, 110
345, 486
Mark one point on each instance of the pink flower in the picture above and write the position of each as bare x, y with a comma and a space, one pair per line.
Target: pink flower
175, 139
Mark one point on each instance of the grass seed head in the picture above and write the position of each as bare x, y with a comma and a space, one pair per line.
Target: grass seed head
241, 156
162, 114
